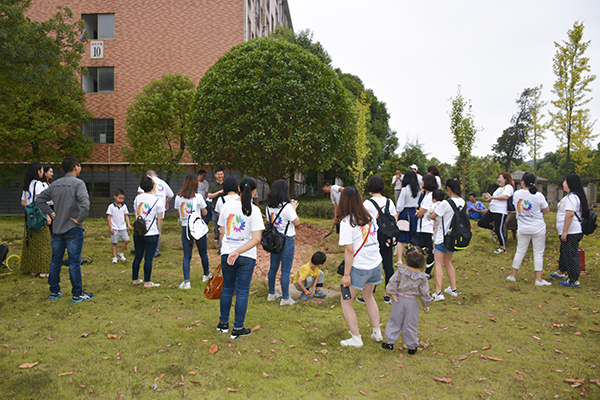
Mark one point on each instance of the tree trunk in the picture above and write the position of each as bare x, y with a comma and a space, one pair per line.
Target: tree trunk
292, 183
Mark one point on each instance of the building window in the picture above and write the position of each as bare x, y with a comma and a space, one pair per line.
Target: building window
99, 26
98, 189
99, 79
101, 130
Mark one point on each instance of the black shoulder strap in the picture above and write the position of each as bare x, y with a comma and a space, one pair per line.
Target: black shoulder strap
149, 211
377, 206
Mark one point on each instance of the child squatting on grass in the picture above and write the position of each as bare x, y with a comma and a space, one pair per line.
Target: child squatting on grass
405, 285
310, 278
118, 223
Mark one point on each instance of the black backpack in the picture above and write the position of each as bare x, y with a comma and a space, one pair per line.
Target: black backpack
272, 240
588, 225
388, 232
459, 235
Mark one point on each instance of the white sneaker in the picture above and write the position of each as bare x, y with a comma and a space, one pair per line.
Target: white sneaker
273, 297
185, 285
438, 297
205, 278
451, 292
511, 278
287, 302
354, 341
121, 257
542, 283
376, 336
115, 259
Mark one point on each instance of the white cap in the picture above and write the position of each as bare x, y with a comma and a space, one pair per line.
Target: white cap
414, 167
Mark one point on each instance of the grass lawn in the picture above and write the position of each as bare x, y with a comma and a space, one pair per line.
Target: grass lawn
498, 339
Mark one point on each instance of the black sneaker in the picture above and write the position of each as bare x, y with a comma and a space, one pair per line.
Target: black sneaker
157, 254
54, 296
387, 300
223, 327
83, 296
360, 300
412, 351
236, 333
387, 346
132, 251
429, 276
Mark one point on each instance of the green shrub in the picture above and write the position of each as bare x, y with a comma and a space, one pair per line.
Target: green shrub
315, 209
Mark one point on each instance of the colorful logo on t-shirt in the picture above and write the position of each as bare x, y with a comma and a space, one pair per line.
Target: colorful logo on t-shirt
29, 196
235, 223
523, 205
143, 210
158, 188
185, 209
366, 231
272, 217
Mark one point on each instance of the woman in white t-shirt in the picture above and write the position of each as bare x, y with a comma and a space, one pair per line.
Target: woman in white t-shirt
36, 253
375, 186
362, 271
149, 207
435, 171
425, 225
407, 207
241, 226
229, 192
186, 201
530, 206
278, 200
498, 209
572, 209
443, 256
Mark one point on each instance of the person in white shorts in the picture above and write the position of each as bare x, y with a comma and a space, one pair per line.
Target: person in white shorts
118, 223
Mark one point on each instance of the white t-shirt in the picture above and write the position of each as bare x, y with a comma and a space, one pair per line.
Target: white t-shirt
420, 180
381, 201
184, 207
334, 193
239, 227
445, 211
117, 216
530, 219
36, 185
439, 182
368, 257
161, 190
424, 224
501, 206
406, 200
221, 200
287, 216
203, 188
398, 184
570, 202
147, 206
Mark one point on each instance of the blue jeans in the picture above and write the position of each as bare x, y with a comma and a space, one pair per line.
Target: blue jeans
285, 258
145, 246
72, 240
236, 278
188, 246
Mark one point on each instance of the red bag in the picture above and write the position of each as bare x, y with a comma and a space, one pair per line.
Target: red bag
214, 287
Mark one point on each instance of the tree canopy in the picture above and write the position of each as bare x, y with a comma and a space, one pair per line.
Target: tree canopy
41, 100
268, 108
157, 124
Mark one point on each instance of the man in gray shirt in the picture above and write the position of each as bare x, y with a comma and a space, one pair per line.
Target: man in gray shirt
71, 207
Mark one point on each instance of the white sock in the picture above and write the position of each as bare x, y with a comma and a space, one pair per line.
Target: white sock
377, 331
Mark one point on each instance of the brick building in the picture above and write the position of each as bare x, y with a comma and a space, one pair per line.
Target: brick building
132, 42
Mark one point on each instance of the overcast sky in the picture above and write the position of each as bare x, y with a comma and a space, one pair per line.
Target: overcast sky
415, 54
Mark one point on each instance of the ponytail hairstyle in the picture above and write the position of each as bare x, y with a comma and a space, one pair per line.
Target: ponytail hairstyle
247, 186
32, 174
351, 204
454, 186
576, 187
415, 257
529, 180
508, 179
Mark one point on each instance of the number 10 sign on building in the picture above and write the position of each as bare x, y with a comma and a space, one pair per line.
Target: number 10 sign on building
97, 49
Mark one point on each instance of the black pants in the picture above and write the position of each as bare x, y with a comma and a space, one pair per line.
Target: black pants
427, 240
498, 224
569, 257
387, 254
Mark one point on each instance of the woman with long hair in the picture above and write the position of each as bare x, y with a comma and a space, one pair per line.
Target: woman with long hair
47, 181
362, 271
241, 226
435, 171
37, 249
407, 207
443, 256
230, 193
279, 205
495, 218
186, 201
572, 209
425, 225
375, 186
531, 206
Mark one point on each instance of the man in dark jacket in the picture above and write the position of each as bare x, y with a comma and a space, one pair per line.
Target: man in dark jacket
71, 207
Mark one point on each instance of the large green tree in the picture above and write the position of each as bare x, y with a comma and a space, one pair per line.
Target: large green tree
269, 108
537, 126
157, 124
463, 132
41, 100
571, 121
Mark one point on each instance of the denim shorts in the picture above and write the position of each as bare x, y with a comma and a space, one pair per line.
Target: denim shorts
361, 277
442, 248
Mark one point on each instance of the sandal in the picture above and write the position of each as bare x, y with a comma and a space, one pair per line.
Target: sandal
151, 285
43, 275
139, 281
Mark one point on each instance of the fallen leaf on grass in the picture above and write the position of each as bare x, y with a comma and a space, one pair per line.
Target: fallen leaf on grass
558, 351
111, 336
323, 344
445, 380
265, 375
572, 380
232, 390
84, 334
29, 365
292, 345
213, 348
159, 377
519, 378
577, 333
536, 338
67, 373
495, 359
257, 327
482, 379
195, 382
324, 351
486, 347
463, 357
493, 319
361, 392
191, 373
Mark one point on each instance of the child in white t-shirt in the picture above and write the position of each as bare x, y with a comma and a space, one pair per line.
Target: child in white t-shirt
118, 223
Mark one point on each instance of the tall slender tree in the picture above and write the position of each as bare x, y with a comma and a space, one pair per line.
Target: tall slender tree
537, 127
463, 131
357, 169
571, 86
